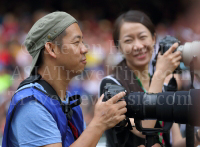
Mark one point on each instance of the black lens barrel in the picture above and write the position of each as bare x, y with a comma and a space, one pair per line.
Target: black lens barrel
180, 107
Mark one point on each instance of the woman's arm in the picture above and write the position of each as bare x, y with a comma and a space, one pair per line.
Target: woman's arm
178, 140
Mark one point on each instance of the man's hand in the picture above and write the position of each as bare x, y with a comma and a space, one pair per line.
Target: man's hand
108, 114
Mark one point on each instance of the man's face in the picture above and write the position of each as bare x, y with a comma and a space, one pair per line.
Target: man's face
71, 55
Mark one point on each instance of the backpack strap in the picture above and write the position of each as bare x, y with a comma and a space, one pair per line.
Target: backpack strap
66, 107
30, 79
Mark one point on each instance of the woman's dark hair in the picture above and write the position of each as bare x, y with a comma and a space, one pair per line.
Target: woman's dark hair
132, 16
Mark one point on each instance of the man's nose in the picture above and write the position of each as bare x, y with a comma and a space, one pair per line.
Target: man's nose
84, 49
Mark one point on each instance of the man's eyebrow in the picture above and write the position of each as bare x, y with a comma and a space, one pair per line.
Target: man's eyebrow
142, 32
77, 36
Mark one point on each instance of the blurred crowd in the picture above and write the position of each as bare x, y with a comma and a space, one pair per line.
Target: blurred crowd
15, 61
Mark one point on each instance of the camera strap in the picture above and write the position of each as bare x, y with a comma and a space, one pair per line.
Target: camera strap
115, 133
130, 127
172, 85
66, 107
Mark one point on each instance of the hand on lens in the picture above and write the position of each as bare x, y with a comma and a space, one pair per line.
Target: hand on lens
169, 61
108, 114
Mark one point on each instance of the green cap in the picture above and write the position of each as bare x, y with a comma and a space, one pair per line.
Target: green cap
46, 29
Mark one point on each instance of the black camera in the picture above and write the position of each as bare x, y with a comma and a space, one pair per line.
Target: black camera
190, 52
166, 43
180, 107
111, 90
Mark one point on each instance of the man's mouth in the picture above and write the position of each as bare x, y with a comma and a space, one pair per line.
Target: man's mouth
84, 61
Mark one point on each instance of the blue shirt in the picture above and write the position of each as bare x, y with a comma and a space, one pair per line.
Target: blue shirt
32, 125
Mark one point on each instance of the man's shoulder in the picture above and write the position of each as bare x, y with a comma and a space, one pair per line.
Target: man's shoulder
33, 119
27, 94
31, 111
29, 86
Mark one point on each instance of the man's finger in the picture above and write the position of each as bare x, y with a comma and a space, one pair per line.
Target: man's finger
121, 104
123, 111
117, 97
100, 99
122, 117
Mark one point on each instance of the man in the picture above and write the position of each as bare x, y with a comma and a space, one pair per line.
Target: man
35, 116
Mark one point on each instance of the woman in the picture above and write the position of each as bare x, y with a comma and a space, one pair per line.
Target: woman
134, 36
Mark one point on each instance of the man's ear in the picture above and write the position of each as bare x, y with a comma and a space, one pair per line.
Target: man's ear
50, 49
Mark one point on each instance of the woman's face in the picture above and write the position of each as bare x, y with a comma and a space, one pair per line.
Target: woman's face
136, 43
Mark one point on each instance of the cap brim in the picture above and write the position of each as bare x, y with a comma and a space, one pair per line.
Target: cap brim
34, 61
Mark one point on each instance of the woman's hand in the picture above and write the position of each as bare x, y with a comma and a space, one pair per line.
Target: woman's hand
165, 65
169, 61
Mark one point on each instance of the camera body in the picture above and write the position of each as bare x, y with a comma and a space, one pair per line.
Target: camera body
190, 52
111, 90
166, 43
